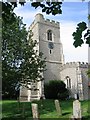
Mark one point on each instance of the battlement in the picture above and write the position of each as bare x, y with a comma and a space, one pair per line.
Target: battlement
74, 64
40, 18
77, 63
52, 22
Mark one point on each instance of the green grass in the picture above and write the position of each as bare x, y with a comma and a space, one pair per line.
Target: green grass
11, 110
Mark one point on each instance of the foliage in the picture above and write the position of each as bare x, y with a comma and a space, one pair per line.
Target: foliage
78, 35
12, 32
20, 61
55, 89
10, 78
88, 73
49, 7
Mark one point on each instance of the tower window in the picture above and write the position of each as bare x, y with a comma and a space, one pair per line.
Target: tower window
50, 51
49, 35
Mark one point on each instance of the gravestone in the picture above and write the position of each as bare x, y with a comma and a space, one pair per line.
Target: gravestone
77, 110
35, 112
58, 107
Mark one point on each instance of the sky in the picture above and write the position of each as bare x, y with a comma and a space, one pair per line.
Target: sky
72, 14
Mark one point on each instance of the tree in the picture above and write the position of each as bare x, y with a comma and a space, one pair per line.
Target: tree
78, 36
48, 7
21, 63
56, 89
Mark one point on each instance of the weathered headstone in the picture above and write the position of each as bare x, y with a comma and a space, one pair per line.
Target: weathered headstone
77, 110
35, 112
58, 107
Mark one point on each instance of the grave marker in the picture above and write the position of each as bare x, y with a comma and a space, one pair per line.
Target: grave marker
35, 112
58, 107
77, 110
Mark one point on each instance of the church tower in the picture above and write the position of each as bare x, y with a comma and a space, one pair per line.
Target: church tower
47, 34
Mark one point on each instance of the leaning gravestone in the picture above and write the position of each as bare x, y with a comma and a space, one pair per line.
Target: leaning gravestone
35, 112
77, 110
58, 107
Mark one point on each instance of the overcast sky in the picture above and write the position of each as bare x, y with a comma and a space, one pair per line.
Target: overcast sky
73, 13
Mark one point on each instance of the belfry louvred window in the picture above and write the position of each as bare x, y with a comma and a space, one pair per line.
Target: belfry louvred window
49, 35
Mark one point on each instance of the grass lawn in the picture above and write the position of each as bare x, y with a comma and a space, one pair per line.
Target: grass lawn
11, 110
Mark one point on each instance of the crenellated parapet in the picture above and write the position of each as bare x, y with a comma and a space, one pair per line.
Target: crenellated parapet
74, 65
83, 64
52, 22
40, 18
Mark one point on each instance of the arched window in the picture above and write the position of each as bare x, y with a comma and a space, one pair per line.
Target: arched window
49, 35
68, 82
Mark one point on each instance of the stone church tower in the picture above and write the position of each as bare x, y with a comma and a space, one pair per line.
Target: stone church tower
47, 33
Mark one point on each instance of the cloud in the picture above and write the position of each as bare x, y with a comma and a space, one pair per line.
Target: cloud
27, 14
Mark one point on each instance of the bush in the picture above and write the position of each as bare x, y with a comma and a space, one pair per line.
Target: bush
55, 89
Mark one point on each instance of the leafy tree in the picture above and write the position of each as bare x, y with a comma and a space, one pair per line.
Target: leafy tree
21, 63
56, 89
48, 7
79, 39
10, 78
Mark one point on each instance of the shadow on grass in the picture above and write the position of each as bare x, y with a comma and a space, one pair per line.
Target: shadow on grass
16, 118
36, 119
13, 118
66, 113
86, 117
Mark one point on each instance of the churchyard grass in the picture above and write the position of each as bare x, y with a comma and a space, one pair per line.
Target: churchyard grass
12, 110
